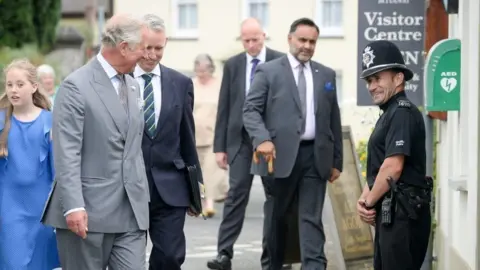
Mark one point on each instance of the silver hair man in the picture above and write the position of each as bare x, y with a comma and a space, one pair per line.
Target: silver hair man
154, 22
156, 42
94, 104
123, 28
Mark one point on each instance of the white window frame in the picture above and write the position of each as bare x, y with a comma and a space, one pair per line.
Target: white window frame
246, 11
326, 31
183, 33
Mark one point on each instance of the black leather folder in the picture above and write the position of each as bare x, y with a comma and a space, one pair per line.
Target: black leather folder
195, 193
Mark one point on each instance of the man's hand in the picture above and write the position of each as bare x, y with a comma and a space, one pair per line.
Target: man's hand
267, 150
191, 213
367, 216
77, 222
221, 159
334, 175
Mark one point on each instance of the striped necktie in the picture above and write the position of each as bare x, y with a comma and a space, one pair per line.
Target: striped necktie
149, 105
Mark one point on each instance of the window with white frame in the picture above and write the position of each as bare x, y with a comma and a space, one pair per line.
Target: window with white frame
339, 82
258, 9
185, 16
329, 17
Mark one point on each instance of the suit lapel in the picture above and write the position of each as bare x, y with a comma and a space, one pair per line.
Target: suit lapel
168, 92
291, 80
318, 84
269, 55
133, 109
242, 77
108, 95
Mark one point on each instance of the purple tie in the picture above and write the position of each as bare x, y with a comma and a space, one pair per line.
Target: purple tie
255, 62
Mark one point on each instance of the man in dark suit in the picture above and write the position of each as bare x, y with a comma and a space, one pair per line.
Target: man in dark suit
168, 147
232, 147
292, 116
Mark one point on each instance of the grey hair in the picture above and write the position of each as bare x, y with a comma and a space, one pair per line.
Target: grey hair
154, 22
45, 70
125, 29
205, 58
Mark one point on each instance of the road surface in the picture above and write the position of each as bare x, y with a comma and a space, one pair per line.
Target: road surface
202, 237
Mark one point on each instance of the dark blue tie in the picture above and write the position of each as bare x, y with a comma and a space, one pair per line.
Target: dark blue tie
254, 62
149, 105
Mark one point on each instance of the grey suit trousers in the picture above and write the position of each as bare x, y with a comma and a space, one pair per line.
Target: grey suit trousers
117, 251
306, 187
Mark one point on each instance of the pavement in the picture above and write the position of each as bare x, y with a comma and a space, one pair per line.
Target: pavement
201, 238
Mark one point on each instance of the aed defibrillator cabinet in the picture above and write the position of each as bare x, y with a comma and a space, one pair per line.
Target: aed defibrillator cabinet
442, 76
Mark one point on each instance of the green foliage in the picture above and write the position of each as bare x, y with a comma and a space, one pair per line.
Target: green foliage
30, 52
362, 157
29, 22
46, 17
16, 23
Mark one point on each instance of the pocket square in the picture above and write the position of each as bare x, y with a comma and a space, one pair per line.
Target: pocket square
328, 86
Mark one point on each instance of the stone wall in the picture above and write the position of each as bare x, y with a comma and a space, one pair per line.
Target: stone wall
69, 51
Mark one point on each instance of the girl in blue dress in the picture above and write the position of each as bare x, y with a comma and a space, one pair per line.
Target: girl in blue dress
26, 172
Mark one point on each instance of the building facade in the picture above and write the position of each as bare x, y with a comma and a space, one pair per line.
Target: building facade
457, 204
212, 26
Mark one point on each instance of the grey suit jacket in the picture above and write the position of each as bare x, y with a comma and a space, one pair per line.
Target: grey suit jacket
272, 111
97, 154
229, 122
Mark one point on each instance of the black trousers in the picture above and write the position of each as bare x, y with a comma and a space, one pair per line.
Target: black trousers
236, 203
403, 244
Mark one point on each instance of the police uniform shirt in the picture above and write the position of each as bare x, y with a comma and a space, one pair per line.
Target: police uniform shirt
399, 130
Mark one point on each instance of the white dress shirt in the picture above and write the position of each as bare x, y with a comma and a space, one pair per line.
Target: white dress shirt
262, 56
157, 87
112, 75
111, 72
309, 133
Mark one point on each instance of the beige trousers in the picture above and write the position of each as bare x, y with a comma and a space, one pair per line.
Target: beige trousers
215, 179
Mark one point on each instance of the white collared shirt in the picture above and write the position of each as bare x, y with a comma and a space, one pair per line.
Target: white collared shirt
309, 133
157, 87
111, 72
262, 56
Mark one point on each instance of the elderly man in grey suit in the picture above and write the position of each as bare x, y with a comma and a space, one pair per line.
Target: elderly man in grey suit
292, 116
99, 203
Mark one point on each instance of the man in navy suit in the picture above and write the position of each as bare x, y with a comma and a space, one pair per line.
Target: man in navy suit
168, 147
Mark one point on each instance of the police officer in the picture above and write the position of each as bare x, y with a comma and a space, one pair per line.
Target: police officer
396, 198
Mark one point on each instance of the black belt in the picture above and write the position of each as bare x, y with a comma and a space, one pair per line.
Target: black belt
307, 142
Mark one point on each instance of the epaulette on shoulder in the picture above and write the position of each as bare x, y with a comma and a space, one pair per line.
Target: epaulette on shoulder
404, 103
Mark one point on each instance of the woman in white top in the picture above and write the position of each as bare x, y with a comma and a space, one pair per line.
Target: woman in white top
46, 76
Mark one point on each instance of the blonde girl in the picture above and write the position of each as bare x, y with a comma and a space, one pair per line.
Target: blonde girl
26, 172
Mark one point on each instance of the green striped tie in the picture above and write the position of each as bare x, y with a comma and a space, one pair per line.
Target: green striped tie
149, 105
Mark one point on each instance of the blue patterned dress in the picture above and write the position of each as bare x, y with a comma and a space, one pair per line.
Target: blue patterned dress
26, 176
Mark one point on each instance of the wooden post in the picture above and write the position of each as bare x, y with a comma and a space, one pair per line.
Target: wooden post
436, 29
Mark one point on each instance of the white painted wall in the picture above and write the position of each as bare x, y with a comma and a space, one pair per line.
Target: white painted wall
458, 154
218, 30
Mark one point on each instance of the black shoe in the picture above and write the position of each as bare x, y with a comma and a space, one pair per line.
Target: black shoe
287, 267
222, 262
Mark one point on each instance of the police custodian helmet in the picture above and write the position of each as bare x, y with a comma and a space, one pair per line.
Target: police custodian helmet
382, 55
